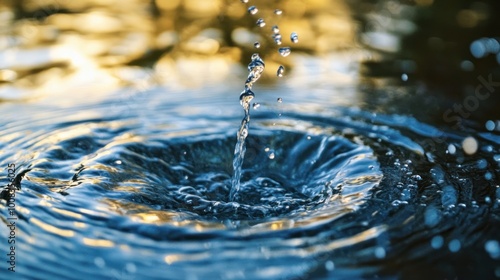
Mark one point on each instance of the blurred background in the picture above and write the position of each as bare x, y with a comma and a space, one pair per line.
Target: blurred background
421, 57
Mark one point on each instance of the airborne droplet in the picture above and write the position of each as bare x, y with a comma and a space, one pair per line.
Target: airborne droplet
294, 38
256, 45
253, 10
280, 99
277, 11
280, 71
285, 51
277, 39
275, 29
261, 22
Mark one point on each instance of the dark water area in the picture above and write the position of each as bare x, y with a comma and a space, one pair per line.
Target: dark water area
376, 155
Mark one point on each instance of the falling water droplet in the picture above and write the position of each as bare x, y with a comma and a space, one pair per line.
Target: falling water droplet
294, 38
275, 29
277, 39
256, 106
404, 77
278, 12
256, 45
261, 22
281, 70
280, 99
244, 1
285, 51
253, 10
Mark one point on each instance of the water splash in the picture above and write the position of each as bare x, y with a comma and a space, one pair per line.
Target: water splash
255, 68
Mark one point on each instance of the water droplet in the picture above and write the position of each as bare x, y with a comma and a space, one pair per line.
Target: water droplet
396, 203
256, 106
261, 22
253, 10
380, 253
490, 125
278, 12
454, 245
329, 265
308, 137
493, 248
404, 77
481, 164
452, 149
294, 38
417, 177
275, 29
488, 176
118, 162
437, 242
280, 99
280, 71
284, 51
431, 216
244, 1
277, 39
470, 145
271, 155
256, 45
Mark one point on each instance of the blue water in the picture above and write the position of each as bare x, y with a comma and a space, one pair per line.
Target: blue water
136, 190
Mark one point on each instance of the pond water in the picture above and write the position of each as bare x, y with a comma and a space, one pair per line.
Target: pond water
124, 159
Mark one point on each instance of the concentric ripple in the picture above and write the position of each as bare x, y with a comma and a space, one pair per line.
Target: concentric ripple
144, 193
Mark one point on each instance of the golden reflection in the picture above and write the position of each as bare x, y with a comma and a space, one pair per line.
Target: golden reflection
355, 239
52, 229
55, 46
98, 242
172, 258
80, 224
67, 213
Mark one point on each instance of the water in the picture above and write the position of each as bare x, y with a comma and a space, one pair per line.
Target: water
139, 182
140, 192
255, 69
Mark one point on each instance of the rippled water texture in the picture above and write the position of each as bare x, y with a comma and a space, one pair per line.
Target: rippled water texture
325, 191
122, 122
